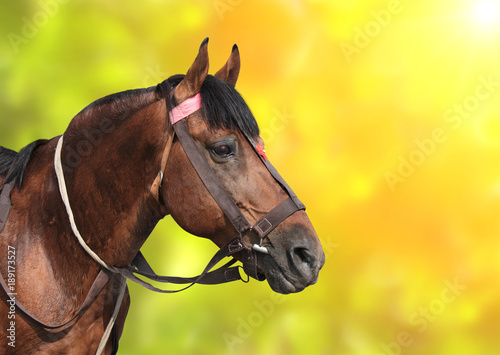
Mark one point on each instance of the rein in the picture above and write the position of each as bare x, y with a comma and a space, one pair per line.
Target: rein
139, 266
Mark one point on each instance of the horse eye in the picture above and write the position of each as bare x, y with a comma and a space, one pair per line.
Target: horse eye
222, 150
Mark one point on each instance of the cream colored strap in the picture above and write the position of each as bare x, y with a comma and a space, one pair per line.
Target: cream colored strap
64, 196
107, 332
155, 187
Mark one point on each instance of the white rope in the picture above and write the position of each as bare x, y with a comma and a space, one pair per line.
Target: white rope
107, 332
64, 196
123, 282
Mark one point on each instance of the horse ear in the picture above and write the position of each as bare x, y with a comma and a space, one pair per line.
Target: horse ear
230, 71
195, 76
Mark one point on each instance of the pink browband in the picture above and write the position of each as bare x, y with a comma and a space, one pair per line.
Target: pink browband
186, 108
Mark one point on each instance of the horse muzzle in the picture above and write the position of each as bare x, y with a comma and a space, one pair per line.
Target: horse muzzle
294, 259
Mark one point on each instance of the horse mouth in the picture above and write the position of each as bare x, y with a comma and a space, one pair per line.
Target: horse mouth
282, 276
279, 283
290, 258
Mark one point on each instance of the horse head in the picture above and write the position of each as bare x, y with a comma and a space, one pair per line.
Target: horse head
226, 134
101, 195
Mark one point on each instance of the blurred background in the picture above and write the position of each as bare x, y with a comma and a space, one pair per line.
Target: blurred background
382, 115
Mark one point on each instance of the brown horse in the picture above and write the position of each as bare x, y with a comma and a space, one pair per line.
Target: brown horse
110, 160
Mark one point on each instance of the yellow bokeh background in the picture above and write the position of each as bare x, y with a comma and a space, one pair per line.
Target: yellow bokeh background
383, 116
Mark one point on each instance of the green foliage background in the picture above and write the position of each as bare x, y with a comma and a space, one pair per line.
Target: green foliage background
345, 93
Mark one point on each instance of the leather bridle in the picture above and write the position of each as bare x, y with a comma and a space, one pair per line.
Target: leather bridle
225, 273
213, 184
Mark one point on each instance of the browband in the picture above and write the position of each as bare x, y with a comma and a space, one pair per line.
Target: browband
186, 108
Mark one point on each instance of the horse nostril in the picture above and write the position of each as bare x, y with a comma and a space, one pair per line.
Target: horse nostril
304, 256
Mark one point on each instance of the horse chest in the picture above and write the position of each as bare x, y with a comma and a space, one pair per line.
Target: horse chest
80, 339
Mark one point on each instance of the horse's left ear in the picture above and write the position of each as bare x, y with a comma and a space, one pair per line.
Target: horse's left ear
230, 71
195, 76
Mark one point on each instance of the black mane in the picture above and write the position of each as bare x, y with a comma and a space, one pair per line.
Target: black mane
223, 107
18, 161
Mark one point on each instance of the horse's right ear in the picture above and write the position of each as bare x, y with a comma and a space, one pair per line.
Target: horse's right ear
230, 71
195, 76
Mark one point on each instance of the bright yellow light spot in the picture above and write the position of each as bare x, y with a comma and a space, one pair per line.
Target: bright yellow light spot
359, 187
487, 12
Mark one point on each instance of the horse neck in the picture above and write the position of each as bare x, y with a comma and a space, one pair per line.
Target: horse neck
109, 170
